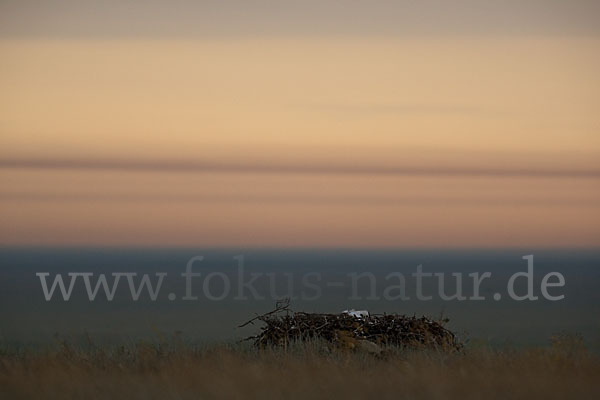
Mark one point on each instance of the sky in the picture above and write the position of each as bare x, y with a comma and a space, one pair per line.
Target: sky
300, 124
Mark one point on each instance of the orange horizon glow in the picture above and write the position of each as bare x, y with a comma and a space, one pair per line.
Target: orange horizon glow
303, 141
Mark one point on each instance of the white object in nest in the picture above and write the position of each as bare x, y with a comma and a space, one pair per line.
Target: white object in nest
356, 313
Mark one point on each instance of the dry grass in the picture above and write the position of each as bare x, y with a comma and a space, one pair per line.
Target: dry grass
565, 370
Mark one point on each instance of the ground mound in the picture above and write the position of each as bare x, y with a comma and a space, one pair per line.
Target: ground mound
353, 330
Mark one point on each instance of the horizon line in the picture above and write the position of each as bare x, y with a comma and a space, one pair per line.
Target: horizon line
278, 168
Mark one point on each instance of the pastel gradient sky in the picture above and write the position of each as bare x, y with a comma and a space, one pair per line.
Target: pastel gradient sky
300, 124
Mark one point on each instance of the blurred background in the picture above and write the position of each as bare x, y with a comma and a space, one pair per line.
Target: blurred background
300, 124
328, 136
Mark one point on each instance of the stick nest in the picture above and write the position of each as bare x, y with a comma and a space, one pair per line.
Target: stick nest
283, 326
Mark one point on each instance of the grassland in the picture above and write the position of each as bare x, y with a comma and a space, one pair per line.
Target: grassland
565, 370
